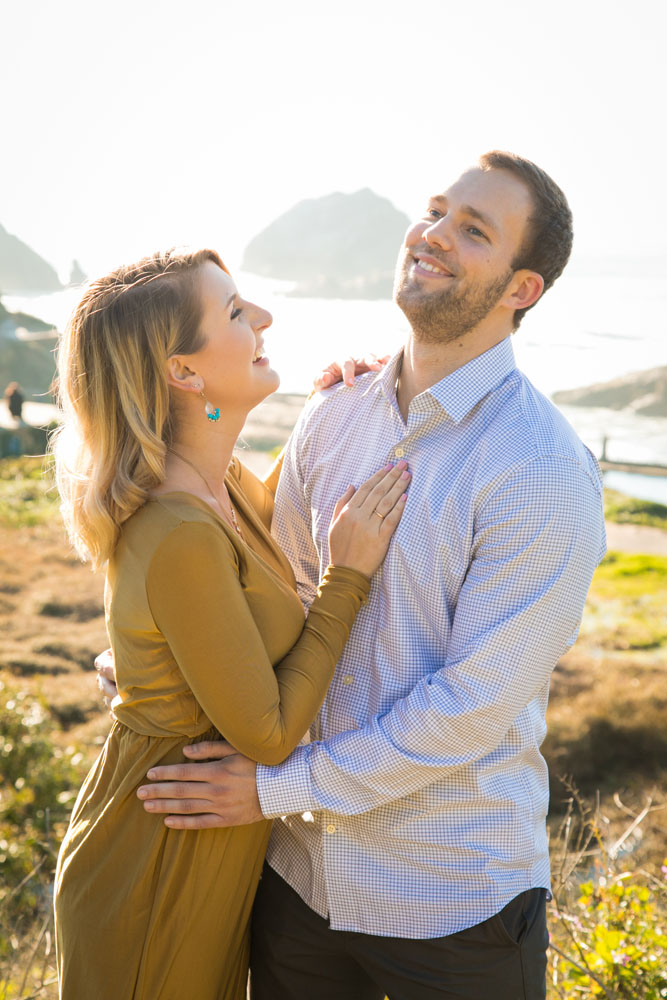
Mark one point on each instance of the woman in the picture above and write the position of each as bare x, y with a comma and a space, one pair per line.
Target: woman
158, 370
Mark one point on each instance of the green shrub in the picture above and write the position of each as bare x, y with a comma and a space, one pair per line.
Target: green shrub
629, 510
609, 929
28, 494
38, 784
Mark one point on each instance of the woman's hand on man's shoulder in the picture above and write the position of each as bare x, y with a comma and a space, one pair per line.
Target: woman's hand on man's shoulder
346, 370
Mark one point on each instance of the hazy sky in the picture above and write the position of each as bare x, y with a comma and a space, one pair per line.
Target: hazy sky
137, 124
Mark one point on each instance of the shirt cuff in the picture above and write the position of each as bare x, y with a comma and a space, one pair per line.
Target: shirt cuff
285, 789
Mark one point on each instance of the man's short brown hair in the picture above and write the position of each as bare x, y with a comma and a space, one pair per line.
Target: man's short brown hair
548, 238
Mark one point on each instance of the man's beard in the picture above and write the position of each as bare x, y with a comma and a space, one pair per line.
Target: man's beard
440, 317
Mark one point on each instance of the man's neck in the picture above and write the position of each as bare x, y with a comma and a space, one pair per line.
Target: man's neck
426, 364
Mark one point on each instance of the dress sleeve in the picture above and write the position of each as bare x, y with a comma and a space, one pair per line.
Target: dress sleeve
273, 475
197, 602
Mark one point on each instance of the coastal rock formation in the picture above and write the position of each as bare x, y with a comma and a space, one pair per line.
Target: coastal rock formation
77, 275
338, 246
26, 353
22, 270
642, 392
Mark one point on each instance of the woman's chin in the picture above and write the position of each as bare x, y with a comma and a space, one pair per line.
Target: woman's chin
270, 383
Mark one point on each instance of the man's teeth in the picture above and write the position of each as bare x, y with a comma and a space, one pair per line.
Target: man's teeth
429, 267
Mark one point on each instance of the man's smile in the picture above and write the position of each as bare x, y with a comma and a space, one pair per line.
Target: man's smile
430, 266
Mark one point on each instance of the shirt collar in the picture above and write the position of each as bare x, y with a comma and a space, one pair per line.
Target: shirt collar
459, 392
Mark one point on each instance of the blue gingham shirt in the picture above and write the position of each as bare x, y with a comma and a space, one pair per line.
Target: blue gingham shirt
423, 785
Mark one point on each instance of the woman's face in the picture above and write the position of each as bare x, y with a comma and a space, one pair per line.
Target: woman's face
232, 364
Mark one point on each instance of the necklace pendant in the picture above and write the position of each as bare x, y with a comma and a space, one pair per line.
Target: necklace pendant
237, 527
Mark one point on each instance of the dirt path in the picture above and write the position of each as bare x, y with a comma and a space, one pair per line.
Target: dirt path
636, 538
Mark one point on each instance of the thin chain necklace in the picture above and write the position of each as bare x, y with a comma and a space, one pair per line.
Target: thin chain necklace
235, 523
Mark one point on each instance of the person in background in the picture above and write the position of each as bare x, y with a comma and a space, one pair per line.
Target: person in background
14, 399
157, 372
413, 857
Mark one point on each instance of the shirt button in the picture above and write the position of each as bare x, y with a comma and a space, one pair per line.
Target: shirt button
399, 452
331, 828
348, 679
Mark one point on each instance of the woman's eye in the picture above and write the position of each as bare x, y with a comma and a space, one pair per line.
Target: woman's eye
236, 312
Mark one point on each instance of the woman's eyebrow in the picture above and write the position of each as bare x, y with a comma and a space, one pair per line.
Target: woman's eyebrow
230, 300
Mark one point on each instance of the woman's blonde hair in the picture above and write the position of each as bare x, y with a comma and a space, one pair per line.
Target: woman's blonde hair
112, 386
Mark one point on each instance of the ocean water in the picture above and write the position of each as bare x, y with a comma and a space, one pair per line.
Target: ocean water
588, 328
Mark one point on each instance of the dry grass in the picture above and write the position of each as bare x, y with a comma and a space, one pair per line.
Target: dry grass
607, 716
52, 627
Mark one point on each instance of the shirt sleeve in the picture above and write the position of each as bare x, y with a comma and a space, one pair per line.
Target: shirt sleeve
198, 604
538, 538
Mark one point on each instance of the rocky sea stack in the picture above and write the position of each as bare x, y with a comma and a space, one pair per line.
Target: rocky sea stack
338, 246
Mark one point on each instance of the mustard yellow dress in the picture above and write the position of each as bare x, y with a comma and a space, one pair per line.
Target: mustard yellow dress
209, 639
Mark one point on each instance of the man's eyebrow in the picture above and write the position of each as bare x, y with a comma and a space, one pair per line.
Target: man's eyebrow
469, 210
476, 214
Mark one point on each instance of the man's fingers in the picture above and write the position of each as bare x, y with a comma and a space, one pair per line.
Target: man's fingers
104, 663
107, 687
209, 750
204, 821
176, 791
181, 806
183, 772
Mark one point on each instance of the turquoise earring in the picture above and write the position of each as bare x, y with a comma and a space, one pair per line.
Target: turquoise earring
212, 412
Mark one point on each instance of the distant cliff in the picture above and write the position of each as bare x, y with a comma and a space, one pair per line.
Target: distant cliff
338, 246
26, 353
642, 392
22, 270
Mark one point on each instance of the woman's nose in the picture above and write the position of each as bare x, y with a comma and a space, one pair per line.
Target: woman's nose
262, 319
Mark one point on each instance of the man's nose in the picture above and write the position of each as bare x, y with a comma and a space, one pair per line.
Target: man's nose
439, 234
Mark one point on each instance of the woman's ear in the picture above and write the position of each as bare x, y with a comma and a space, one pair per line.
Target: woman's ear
179, 376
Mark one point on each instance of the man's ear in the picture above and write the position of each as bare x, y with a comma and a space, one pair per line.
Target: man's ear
524, 290
180, 376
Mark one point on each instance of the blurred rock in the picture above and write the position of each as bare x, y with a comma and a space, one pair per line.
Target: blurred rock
22, 270
644, 393
337, 246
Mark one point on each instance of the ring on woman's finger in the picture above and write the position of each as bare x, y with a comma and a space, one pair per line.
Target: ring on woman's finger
381, 516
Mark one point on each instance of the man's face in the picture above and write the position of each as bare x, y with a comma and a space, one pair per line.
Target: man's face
456, 263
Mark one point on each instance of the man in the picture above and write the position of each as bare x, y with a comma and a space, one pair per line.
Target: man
421, 866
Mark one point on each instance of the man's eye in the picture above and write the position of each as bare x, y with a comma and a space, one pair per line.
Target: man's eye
236, 312
433, 212
476, 232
